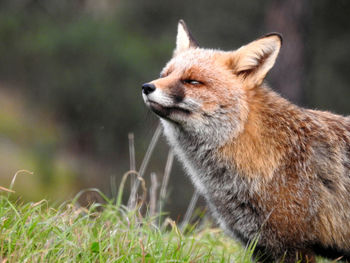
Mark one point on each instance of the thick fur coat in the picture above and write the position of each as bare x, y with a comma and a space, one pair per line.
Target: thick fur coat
268, 169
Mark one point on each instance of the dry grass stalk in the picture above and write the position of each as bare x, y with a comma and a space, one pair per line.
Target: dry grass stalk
6, 190
163, 189
113, 185
132, 160
153, 195
15, 176
144, 164
190, 210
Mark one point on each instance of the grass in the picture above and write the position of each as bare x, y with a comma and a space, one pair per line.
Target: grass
38, 232
111, 232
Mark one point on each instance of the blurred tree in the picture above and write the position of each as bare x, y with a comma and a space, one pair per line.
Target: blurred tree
289, 17
84, 60
329, 68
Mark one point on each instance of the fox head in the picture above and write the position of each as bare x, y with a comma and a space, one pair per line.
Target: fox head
207, 91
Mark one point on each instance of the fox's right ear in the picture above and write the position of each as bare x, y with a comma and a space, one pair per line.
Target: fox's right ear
184, 38
254, 60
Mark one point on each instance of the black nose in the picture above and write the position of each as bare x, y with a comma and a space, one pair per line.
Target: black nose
148, 88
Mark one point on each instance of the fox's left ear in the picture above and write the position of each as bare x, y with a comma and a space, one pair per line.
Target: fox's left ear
184, 38
254, 60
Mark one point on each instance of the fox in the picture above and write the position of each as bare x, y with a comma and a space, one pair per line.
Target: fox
270, 171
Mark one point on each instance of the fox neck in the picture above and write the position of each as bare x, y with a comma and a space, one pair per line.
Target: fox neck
249, 147
258, 150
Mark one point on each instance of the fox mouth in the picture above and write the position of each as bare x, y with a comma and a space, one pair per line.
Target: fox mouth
164, 111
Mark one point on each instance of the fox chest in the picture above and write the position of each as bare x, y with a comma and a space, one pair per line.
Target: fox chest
198, 160
227, 195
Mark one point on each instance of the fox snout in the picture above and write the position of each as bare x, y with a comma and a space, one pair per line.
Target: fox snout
148, 88
166, 98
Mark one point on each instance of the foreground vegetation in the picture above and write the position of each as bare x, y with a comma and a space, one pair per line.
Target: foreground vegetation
38, 232
109, 231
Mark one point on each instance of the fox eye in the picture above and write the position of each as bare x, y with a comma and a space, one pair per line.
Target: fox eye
192, 82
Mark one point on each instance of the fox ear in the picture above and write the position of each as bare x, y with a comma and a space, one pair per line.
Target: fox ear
184, 39
254, 60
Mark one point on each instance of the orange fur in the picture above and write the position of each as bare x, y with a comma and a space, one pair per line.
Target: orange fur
267, 168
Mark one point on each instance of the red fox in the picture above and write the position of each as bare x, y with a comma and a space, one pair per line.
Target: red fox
269, 170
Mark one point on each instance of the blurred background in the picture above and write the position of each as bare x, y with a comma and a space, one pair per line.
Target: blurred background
71, 74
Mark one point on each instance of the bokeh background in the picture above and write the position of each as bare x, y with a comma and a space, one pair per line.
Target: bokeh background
71, 74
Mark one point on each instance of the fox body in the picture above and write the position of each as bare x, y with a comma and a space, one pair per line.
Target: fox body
268, 169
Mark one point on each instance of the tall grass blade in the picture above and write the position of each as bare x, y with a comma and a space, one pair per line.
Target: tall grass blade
121, 186
113, 185
144, 164
15, 176
190, 210
6, 190
132, 159
163, 189
153, 195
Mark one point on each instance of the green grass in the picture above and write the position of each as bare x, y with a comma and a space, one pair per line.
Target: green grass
108, 232
38, 232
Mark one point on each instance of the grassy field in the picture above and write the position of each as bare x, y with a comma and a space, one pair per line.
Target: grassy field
109, 231
38, 232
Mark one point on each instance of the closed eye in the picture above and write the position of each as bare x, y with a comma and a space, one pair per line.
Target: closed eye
192, 82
